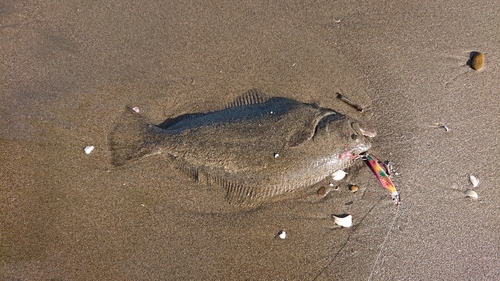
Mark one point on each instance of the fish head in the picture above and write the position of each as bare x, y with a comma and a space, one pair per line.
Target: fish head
361, 136
338, 133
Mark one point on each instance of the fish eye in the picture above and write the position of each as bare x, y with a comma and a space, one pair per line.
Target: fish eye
354, 136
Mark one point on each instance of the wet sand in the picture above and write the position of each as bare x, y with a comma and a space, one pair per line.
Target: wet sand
69, 69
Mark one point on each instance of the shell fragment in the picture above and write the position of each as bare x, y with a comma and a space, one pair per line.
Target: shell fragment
343, 220
338, 175
471, 193
474, 181
88, 149
282, 234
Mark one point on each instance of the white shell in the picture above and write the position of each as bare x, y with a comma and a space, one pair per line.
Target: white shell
282, 234
136, 109
338, 175
474, 181
276, 155
471, 193
343, 220
88, 149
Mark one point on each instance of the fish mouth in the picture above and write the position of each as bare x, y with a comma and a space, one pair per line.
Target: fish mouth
356, 151
362, 132
361, 149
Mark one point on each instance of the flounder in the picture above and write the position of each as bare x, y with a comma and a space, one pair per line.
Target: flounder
258, 148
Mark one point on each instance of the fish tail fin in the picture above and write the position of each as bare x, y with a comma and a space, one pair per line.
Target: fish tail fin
132, 138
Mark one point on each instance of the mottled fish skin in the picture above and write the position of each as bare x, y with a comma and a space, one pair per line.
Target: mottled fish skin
258, 149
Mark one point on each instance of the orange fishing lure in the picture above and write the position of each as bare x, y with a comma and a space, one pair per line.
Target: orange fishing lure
383, 178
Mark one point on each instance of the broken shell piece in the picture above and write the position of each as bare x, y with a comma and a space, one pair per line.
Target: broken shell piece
136, 109
88, 149
343, 220
282, 234
471, 193
353, 188
334, 187
474, 181
338, 175
276, 155
442, 125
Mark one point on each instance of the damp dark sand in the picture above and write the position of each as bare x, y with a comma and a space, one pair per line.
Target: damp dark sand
70, 67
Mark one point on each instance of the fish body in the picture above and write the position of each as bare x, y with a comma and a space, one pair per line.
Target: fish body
258, 148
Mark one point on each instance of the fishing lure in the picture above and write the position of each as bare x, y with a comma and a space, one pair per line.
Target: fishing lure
382, 177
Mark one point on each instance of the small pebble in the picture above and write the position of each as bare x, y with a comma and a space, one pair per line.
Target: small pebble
88, 149
477, 61
282, 234
471, 193
136, 109
276, 155
322, 191
474, 181
343, 220
338, 175
353, 188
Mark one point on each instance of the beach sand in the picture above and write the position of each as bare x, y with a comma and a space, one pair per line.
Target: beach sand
69, 68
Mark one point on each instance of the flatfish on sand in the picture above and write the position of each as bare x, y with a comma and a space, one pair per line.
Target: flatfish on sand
259, 148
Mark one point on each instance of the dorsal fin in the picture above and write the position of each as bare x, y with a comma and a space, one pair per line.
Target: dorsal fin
252, 96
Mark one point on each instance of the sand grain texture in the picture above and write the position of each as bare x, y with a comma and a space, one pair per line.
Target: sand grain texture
70, 67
